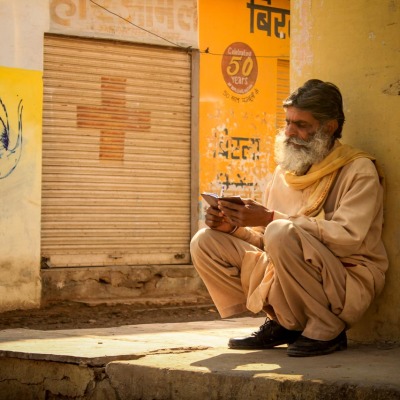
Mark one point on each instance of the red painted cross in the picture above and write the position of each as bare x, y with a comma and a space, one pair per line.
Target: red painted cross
113, 118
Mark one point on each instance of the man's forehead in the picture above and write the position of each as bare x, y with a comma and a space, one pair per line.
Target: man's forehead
294, 114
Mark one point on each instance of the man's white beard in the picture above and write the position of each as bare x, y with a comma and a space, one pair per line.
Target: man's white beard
299, 159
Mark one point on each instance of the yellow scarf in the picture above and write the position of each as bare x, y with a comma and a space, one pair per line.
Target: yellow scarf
321, 176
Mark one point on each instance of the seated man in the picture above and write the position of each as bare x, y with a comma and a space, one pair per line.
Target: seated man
312, 256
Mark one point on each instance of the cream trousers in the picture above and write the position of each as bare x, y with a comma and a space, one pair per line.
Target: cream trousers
303, 288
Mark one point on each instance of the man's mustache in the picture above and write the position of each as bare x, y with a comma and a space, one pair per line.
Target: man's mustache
298, 141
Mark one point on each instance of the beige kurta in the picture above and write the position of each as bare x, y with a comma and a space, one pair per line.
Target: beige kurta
340, 259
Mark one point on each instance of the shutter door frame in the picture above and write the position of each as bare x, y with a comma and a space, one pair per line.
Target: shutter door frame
283, 90
117, 167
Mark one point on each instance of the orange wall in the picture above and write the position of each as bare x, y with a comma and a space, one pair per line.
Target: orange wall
238, 92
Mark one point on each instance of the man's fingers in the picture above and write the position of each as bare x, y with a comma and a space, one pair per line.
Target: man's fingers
230, 205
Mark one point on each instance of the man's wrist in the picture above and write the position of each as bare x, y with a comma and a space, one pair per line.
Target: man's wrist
272, 213
269, 217
235, 228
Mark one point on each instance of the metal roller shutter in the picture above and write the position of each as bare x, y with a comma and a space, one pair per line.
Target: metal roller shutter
116, 153
283, 90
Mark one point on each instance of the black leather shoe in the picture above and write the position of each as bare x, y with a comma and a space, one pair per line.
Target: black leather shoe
270, 334
305, 347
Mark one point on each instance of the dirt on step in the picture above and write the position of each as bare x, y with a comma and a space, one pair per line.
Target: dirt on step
71, 315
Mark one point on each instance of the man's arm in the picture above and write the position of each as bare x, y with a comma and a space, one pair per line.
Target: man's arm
359, 203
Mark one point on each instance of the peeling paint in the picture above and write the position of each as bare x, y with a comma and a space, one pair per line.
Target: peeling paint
393, 89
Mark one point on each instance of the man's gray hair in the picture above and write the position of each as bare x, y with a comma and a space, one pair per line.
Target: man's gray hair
322, 99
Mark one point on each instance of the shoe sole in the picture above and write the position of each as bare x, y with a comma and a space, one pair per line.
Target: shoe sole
266, 347
329, 350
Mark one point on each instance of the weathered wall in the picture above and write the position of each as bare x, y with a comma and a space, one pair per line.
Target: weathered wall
23, 24
142, 286
356, 45
20, 151
151, 21
30, 379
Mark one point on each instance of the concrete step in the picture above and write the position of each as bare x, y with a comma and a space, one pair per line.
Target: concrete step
185, 361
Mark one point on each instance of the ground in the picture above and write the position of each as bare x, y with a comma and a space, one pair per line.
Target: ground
73, 315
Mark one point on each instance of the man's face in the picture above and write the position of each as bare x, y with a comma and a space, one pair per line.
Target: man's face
303, 142
300, 124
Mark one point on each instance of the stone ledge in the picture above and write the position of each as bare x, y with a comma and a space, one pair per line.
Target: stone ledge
124, 284
179, 361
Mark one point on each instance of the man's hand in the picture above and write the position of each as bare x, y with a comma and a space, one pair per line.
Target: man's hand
249, 214
215, 220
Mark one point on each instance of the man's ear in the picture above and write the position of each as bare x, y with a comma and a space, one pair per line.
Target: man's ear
331, 126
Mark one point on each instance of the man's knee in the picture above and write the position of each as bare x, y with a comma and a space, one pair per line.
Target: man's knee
202, 239
279, 233
196, 240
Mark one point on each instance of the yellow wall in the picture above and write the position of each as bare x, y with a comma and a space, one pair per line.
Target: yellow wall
20, 174
238, 92
356, 45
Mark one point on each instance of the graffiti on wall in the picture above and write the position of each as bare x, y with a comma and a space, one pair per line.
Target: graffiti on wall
10, 140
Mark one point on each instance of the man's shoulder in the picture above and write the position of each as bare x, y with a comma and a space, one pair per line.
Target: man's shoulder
361, 165
362, 162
